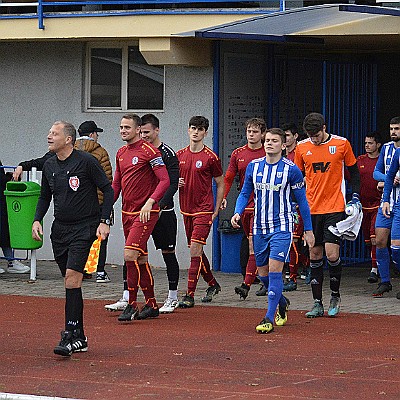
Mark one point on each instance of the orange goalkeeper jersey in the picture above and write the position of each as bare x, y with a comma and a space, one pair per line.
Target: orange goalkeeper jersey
324, 170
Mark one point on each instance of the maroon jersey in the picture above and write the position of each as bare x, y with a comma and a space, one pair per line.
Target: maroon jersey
238, 163
370, 196
140, 173
290, 156
197, 171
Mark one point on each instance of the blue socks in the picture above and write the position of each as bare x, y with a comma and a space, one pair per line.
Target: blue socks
383, 261
274, 293
264, 280
282, 301
396, 256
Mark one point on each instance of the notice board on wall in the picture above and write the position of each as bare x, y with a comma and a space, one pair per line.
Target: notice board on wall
243, 96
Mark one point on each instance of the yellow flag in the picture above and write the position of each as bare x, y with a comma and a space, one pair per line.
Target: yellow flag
93, 258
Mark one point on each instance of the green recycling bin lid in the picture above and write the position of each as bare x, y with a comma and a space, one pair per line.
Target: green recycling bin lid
22, 189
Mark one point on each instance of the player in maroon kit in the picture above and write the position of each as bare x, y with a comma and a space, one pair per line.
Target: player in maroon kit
142, 178
297, 254
370, 196
240, 158
198, 165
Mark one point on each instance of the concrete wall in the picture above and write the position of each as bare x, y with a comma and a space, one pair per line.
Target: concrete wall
42, 82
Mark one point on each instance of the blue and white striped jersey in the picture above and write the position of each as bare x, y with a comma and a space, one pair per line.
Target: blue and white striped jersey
382, 168
390, 175
273, 185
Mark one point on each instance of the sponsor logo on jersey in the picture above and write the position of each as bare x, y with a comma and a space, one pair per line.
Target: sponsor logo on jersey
74, 183
321, 166
267, 186
135, 160
332, 149
260, 174
279, 174
298, 185
199, 164
308, 153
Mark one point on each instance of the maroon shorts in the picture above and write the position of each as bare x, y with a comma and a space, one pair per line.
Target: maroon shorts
137, 233
247, 222
197, 227
298, 230
368, 223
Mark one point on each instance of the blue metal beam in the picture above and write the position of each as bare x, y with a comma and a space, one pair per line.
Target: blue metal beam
258, 37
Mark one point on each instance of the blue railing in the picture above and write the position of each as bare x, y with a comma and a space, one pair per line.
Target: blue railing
236, 7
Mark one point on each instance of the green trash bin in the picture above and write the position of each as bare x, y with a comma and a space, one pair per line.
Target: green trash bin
22, 198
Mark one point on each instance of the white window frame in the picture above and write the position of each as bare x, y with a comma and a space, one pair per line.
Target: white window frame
124, 78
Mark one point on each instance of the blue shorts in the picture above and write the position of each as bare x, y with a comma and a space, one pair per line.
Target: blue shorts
395, 233
382, 221
272, 245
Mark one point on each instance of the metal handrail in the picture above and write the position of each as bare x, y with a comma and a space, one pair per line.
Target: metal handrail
41, 4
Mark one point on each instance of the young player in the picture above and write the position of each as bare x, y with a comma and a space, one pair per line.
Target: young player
322, 157
370, 196
240, 158
273, 179
384, 223
141, 176
395, 212
198, 165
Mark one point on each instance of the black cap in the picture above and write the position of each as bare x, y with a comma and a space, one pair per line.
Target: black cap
88, 127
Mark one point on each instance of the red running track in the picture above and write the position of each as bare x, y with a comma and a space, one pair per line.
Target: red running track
199, 353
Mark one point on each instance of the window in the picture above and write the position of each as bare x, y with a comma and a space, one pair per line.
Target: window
119, 78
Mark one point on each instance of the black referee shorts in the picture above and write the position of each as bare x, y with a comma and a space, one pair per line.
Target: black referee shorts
164, 233
321, 223
71, 244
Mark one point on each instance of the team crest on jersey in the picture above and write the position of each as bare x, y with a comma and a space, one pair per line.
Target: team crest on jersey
74, 183
279, 175
135, 160
199, 164
332, 149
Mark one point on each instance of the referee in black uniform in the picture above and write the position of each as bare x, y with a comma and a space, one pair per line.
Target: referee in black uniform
71, 179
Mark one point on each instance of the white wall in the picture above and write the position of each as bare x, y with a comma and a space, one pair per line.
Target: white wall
42, 82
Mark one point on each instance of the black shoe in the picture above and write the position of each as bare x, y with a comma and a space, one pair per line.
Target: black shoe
256, 281
210, 293
129, 313
290, 286
398, 296
262, 291
373, 277
148, 312
79, 342
87, 276
186, 302
242, 290
64, 348
383, 287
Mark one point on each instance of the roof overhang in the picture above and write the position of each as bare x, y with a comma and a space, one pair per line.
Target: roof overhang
333, 25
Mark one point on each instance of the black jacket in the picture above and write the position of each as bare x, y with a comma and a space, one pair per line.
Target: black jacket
4, 232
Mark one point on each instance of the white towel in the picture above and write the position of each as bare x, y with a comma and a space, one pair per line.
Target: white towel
348, 228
